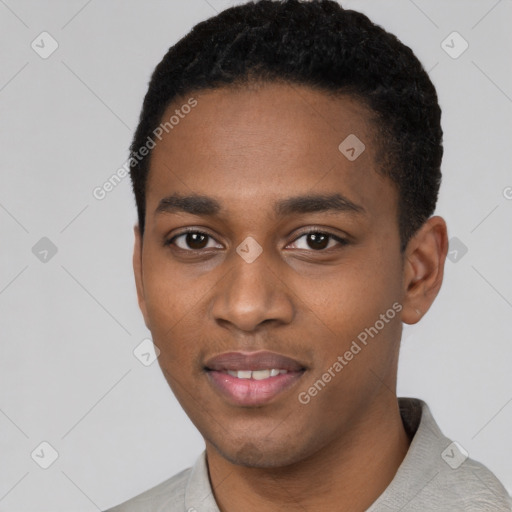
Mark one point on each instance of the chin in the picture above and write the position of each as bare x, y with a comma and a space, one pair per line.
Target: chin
260, 454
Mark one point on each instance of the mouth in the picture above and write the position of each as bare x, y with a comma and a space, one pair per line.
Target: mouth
256, 374
252, 378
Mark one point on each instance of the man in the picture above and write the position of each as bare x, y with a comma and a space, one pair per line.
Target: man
286, 168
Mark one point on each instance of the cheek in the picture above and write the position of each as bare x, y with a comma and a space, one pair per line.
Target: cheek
359, 302
354, 293
167, 296
170, 307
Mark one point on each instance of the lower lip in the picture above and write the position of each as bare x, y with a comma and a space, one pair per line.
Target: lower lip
251, 392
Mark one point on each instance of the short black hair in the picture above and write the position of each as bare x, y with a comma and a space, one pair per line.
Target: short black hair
320, 44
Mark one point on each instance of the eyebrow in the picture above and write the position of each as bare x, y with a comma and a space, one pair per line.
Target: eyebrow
310, 203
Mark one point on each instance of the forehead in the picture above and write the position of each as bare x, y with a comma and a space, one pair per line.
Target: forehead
260, 143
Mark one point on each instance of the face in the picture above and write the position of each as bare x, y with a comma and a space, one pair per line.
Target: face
267, 253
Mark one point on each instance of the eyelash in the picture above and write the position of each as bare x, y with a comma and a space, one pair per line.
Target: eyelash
341, 241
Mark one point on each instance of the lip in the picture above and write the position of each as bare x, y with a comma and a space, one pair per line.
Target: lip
251, 392
260, 360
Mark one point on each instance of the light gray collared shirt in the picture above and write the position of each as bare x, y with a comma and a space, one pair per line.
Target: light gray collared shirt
435, 476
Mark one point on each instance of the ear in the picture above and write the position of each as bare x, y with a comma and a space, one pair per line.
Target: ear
138, 273
424, 260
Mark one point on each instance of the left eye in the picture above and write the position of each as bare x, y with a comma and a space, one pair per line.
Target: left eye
318, 241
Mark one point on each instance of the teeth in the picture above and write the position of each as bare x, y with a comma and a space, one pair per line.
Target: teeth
256, 374
261, 374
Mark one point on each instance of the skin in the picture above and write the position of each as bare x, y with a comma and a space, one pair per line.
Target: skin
248, 148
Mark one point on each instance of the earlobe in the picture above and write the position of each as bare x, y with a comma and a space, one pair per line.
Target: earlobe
138, 273
424, 268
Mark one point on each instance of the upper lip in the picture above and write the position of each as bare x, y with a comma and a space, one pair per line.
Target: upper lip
261, 360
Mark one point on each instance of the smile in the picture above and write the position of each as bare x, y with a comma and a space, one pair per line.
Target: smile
251, 379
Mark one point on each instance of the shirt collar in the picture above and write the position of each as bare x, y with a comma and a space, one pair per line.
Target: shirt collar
423, 456
422, 461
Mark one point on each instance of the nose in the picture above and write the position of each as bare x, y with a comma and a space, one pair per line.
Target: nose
251, 294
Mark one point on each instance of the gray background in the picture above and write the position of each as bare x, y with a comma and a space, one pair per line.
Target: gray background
70, 321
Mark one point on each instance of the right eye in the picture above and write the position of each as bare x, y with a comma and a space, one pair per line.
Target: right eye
192, 240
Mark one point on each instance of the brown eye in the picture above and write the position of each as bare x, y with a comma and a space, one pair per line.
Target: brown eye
193, 241
196, 240
318, 241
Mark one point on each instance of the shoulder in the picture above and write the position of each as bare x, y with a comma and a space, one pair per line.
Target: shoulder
437, 474
168, 496
472, 487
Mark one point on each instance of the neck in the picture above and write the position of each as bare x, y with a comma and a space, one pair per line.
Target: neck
354, 471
